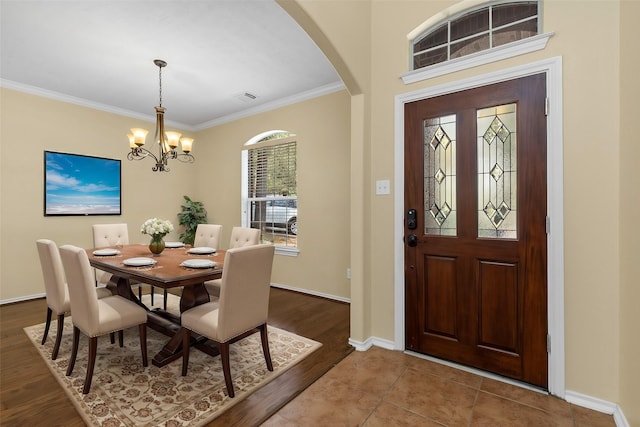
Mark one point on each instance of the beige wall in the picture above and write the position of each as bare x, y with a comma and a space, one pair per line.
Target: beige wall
629, 212
322, 129
597, 325
37, 124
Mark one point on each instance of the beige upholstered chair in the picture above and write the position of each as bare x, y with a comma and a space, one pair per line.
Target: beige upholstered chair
57, 293
243, 236
208, 235
241, 310
114, 235
240, 236
93, 316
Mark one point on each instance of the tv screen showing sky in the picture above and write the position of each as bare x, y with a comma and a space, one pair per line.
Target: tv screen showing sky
81, 185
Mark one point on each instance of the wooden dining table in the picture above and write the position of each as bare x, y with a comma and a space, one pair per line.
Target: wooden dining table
166, 272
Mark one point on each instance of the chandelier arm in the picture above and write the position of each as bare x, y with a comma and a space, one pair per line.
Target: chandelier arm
185, 158
140, 153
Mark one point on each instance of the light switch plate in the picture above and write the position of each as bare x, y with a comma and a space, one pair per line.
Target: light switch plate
383, 187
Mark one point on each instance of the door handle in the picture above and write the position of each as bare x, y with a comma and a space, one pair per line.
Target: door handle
412, 240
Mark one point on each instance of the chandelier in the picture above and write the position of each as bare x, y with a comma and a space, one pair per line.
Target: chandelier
167, 141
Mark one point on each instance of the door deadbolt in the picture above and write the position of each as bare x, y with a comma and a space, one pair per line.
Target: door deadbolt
412, 221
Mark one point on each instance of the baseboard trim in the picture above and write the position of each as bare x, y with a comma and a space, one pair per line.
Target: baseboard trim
370, 342
309, 292
599, 405
20, 299
275, 285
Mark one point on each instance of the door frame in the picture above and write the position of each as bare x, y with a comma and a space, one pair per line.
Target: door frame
552, 67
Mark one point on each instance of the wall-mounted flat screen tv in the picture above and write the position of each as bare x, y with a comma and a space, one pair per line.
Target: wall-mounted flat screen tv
76, 184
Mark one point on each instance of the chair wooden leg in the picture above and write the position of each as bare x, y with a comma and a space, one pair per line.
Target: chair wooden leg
140, 292
56, 346
46, 326
165, 300
74, 350
186, 337
226, 368
93, 349
112, 337
121, 338
143, 343
151, 291
265, 345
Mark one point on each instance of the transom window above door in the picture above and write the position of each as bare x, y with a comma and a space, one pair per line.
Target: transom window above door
474, 33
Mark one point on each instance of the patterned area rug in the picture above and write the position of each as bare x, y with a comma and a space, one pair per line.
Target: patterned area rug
123, 393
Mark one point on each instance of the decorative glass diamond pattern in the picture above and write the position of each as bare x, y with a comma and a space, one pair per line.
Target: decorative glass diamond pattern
496, 216
440, 214
445, 141
440, 175
440, 138
497, 174
489, 136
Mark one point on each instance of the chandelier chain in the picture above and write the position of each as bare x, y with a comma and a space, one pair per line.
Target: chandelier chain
160, 80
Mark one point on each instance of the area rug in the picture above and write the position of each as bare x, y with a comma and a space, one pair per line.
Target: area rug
123, 393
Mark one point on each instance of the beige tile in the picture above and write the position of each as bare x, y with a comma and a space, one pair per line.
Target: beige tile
542, 401
491, 410
447, 372
373, 371
587, 418
434, 397
387, 415
278, 420
330, 402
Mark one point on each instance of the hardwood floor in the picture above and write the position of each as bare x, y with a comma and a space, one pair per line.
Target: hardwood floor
30, 395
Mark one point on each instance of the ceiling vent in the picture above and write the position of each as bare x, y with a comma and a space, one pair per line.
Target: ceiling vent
246, 97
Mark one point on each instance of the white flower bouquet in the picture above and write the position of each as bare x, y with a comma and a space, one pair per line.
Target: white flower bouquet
156, 227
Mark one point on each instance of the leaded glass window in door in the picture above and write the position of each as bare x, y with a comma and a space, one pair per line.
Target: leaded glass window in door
440, 176
497, 172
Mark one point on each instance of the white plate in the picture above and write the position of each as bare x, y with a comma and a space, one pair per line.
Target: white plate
106, 252
201, 250
198, 263
139, 262
173, 244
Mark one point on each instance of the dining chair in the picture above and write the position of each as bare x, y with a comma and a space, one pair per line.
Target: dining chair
95, 317
56, 290
240, 236
116, 235
207, 235
241, 310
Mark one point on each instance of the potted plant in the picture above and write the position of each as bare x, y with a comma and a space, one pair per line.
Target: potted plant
192, 214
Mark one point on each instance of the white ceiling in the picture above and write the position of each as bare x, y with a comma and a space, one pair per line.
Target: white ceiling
100, 54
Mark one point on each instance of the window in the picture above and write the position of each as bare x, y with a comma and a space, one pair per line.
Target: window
474, 31
270, 193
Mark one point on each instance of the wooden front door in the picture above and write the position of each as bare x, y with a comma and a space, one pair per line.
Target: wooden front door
475, 230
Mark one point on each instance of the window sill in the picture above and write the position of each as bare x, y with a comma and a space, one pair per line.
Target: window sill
510, 50
287, 251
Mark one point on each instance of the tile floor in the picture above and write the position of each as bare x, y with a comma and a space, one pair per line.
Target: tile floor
383, 388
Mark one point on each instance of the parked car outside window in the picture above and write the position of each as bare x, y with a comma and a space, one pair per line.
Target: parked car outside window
278, 213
